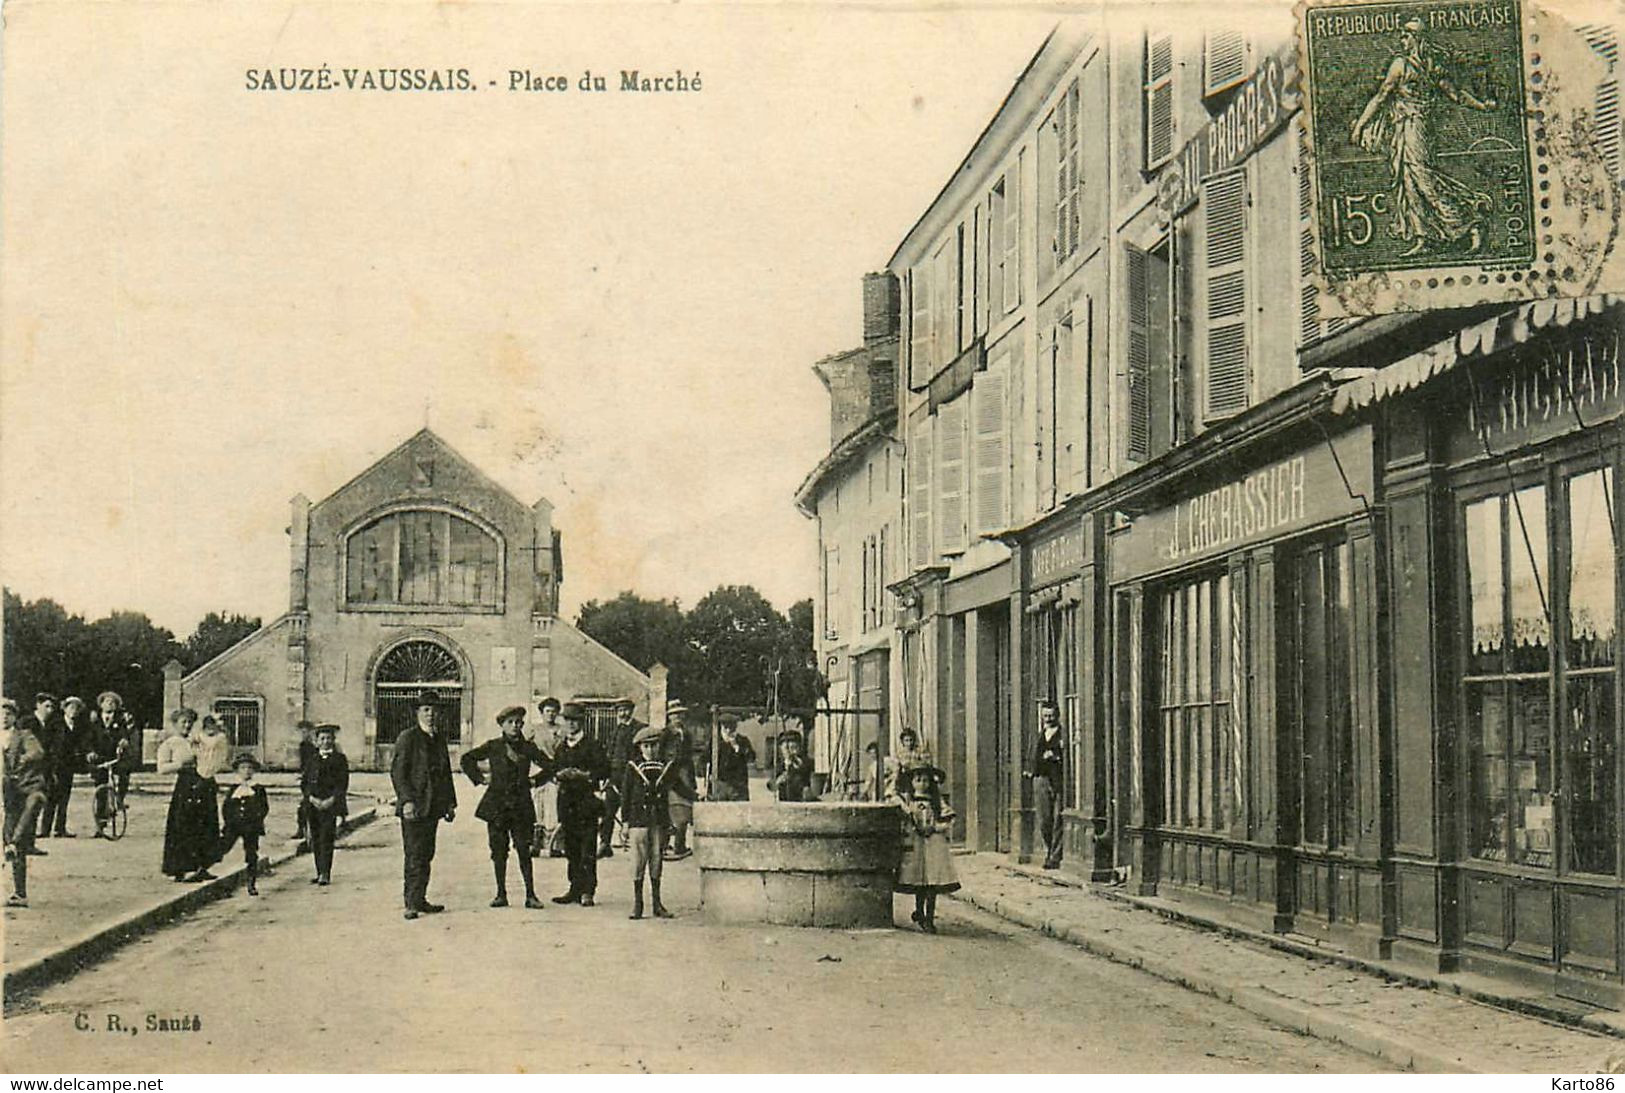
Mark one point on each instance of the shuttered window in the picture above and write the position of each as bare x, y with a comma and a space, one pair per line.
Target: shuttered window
1159, 99
919, 494
991, 455
946, 297
1012, 238
1139, 356
1311, 328
919, 327
1068, 180
951, 475
1224, 216
1224, 61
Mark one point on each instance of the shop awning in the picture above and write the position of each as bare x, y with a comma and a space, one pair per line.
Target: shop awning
1498, 332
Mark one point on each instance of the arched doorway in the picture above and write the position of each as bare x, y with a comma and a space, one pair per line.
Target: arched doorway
403, 671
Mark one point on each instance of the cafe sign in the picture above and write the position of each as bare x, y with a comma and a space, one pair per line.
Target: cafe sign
1300, 491
1258, 111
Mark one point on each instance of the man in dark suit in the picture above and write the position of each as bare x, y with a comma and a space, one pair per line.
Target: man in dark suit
67, 759
734, 757
307, 752
580, 766
324, 796
506, 807
676, 749
424, 796
42, 723
621, 752
1046, 766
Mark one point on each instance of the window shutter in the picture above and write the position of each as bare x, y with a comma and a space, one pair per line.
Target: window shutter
919, 494
1063, 177
951, 475
1224, 209
992, 459
1159, 99
1139, 356
945, 294
1074, 199
1224, 61
1604, 41
919, 326
1012, 238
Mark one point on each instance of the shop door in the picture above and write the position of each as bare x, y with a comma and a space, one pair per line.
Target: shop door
1316, 767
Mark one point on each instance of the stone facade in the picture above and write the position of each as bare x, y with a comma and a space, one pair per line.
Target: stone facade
419, 571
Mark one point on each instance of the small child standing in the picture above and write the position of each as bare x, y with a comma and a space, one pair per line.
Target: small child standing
647, 815
926, 869
244, 815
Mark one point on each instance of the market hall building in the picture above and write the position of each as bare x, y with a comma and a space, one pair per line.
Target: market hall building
420, 573
1329, 606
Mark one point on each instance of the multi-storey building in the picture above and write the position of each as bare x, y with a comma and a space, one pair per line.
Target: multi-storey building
855, 495
1329, 606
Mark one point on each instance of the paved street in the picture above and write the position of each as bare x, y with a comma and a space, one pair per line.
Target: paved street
304, 978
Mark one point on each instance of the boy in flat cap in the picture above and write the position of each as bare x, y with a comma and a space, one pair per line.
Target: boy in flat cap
645, 782
506, 808
243, 817
324, 788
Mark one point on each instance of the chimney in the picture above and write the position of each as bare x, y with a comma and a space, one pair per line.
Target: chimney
882, 303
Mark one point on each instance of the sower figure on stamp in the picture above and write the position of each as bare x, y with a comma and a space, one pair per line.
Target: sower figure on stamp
506, 808
324, 790
242, 817
646, 814
24, 784
1429, 205
579, 766
1046, 766
424, 796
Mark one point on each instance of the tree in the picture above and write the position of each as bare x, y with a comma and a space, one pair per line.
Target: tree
215, 634
738, 642
641, 632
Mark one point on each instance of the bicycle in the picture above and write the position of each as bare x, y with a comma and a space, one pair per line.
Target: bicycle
110, 809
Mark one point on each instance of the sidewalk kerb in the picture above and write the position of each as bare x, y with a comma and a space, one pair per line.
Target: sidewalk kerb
101, 940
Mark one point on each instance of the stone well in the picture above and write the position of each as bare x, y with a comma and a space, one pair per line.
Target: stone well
811, 864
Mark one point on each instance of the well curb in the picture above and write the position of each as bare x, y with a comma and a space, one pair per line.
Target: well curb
101, 940
1366, 1038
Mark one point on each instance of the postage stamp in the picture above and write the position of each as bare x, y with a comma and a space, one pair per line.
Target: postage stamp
1454, 156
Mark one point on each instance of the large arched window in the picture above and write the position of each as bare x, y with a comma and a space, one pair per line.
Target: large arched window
422, 557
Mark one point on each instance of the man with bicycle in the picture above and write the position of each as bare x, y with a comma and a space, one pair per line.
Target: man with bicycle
115, 750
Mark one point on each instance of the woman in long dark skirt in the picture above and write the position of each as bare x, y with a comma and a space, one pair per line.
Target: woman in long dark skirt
192, 829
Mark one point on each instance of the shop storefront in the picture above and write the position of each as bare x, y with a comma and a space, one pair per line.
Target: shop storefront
1244, 614
1502, 485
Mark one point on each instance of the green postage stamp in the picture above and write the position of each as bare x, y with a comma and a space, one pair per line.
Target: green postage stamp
1452, 151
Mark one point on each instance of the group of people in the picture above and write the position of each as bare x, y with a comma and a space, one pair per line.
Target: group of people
639, 790
201, 828
43, 752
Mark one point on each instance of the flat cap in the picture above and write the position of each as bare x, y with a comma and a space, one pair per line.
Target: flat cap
647, 734
510, 712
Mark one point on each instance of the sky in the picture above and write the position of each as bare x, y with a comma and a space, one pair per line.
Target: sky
213, 299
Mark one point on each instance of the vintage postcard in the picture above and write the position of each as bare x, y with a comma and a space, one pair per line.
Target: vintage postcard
810, 538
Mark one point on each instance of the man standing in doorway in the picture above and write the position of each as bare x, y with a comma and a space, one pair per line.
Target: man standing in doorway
424, 795
1046, 766
579, 767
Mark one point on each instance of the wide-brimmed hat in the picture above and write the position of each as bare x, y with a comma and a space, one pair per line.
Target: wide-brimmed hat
573, 711
645, 735
73, 700
426, 698
925, 766
319, 729
675, 706
626, 702
511, 712
246, 757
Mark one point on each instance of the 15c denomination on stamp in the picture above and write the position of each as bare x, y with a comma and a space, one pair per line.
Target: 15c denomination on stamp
1450, 150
